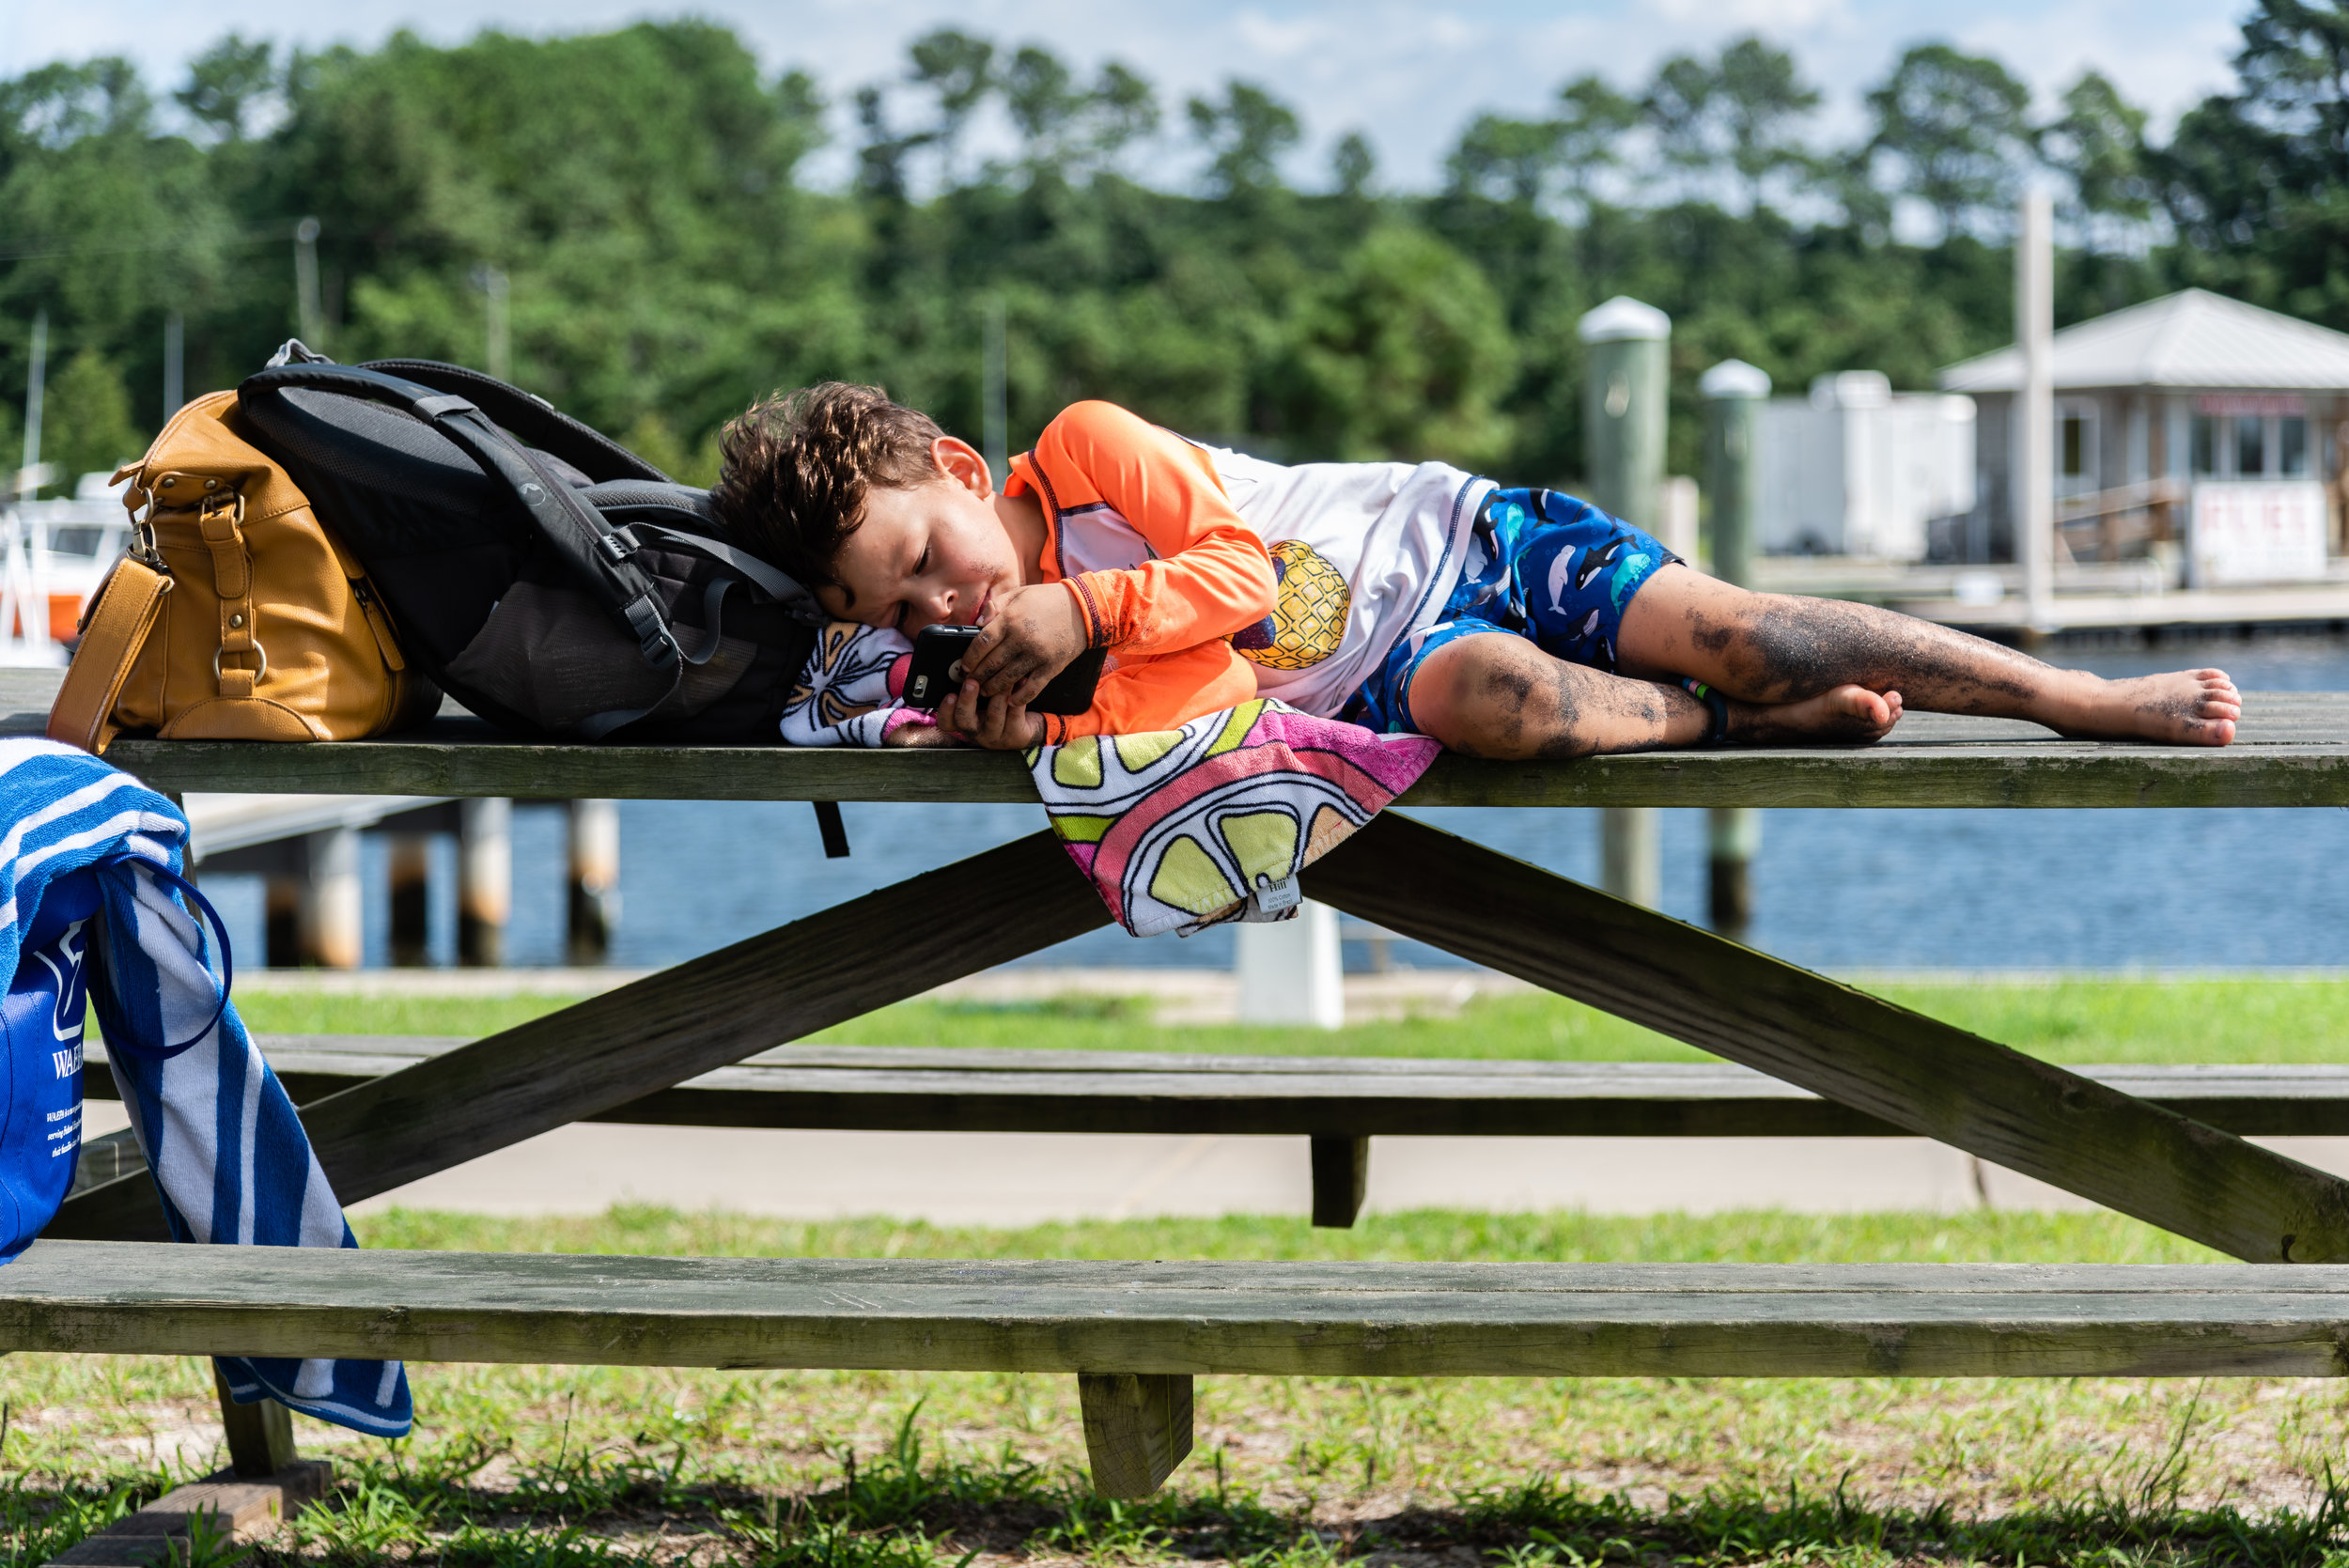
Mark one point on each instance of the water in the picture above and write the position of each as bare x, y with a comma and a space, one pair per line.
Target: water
1832, 889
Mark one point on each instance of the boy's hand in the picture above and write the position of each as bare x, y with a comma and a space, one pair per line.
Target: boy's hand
1027, 640
920, 734
998, 723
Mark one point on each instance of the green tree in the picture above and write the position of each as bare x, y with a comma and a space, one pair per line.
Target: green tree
1762, 100
2098, 145
1352, 162
2256, 181
1958, 127
1403, 353
1071, 131
640, 189
227, 82
1245, 133
85, 420
1679, 107
1593, 120
960, 71
1507, 159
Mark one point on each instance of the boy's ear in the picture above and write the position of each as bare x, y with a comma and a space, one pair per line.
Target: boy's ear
961, 462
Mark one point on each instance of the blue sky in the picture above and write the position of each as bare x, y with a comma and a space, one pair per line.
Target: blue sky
1405, 74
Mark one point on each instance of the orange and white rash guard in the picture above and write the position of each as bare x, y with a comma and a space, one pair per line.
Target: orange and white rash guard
1139, 528
1214, 577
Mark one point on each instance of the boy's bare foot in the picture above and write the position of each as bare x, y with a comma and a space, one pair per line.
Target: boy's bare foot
1850, 714
2185, 707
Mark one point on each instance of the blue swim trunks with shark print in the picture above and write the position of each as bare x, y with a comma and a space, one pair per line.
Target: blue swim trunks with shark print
1540, 564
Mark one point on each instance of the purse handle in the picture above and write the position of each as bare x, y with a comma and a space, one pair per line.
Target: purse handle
120, 621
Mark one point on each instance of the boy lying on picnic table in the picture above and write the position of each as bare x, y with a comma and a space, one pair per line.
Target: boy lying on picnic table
1504, 623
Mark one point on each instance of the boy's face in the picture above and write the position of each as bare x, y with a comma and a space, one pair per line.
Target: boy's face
934, 554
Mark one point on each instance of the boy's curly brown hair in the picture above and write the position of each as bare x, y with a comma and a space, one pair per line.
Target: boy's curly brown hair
796, 468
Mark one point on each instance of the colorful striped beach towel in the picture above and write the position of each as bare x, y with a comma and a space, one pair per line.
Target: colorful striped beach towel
225, 1150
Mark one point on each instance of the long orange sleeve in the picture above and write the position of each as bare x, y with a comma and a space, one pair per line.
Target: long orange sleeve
1200, 574
1211, 575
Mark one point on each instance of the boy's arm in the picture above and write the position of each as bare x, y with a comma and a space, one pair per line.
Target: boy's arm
1212, 577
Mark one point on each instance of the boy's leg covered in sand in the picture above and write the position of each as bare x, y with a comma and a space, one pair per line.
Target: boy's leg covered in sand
1571, 632
1795, 670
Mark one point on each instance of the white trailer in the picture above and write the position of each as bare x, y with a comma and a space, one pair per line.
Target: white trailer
1858, 469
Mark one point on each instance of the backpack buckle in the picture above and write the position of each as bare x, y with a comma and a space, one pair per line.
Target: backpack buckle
652, 633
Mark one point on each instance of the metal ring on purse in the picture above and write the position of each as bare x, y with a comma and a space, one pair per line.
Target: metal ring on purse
257, 675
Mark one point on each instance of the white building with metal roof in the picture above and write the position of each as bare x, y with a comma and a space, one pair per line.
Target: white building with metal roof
2192, 427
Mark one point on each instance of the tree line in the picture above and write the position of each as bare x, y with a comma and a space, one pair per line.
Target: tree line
643, 196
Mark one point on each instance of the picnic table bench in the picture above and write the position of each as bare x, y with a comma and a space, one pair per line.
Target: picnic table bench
1136, 1333
1338, 1103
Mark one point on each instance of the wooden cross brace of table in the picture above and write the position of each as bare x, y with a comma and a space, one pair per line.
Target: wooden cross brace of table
1899, 1067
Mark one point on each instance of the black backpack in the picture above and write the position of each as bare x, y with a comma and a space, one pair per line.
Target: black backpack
544, 576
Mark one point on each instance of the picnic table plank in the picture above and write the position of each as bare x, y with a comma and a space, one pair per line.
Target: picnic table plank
893, 1087
1183, 1318
705, 1012
2293, 750
1913, 1071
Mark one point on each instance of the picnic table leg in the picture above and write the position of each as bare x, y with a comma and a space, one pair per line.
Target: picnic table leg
1858, 1049
1137, 1428
1340, 1173
260, 1435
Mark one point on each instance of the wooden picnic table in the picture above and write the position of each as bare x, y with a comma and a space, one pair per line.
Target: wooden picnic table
1897, 1069
2293, 750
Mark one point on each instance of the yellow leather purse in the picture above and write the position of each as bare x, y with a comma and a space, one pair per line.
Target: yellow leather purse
236, 615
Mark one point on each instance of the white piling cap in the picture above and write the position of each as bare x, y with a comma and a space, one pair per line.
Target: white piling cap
1734, 378
1622, 317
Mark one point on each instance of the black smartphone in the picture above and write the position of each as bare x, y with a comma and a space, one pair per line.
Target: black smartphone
936, 674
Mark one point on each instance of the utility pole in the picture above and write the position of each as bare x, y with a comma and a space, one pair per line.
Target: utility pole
311, 315
499, 341
1733, 392
1624, 372
175, 364
28, 477
2033, 435
995, 420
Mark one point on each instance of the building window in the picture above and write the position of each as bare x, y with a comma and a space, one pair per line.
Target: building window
2292, 447
2205, 445
2076, 449
2250, 446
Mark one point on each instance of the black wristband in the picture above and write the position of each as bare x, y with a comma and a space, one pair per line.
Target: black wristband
1718, 730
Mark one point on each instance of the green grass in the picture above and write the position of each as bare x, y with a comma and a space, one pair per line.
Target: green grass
2064, 1021
863, 1470
1766, 1235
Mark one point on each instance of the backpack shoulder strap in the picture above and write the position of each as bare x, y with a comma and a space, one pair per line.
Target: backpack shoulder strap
536, 420
570, 525
120, 624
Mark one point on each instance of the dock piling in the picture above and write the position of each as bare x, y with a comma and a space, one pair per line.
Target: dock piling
1733, 394
1625, 370
595, 880
409, 867
485, 880
332, 901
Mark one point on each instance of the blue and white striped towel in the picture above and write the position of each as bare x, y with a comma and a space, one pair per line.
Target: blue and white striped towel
222, 1139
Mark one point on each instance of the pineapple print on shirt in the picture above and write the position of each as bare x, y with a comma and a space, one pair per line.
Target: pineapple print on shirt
1307, 619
